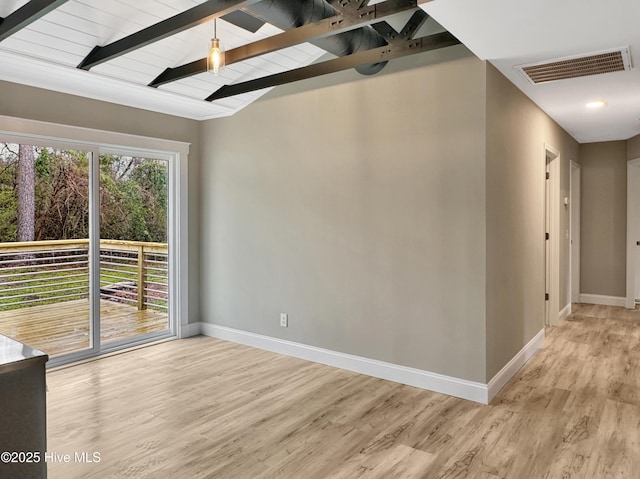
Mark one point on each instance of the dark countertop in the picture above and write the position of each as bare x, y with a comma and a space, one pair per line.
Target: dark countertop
15, 355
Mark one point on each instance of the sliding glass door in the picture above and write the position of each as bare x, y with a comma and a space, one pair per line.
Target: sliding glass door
134, 250
45, 297
84, 249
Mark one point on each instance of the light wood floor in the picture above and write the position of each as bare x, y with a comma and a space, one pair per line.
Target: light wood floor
204, 408
64, 327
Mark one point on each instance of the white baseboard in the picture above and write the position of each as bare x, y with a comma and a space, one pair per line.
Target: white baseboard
564, 314
513, 366
188, 330
461, 388
603, 300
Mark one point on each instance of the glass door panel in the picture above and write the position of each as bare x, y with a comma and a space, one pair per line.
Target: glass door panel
134, 295
44, 247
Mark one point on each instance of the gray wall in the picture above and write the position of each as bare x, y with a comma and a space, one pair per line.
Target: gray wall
633, 148
603, 218
37, 104
395, 217
355, 205
517, 131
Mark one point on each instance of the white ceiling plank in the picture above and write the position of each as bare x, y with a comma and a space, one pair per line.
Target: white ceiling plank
117, 26
37, 50
55, 31
282, 61
49, 42
141, 8
182, 89
115, 70
76, 23
308, 48
204, 84
125, 11
300, 55
232, 103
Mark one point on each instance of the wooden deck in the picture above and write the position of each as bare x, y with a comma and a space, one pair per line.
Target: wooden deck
64, 327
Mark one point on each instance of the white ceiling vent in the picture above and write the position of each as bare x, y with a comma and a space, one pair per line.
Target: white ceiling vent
577, 66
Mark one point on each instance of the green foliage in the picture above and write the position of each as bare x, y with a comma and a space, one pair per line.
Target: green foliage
62, 196
8, 195
133, 199
43, 163
8, 214
151, 176
133, 196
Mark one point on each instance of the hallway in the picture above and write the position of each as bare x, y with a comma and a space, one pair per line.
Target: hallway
579, 398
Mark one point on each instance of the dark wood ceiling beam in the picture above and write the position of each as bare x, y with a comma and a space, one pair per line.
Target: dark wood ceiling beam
311, 31
412, 26
193, 17
244, 20
341, 23
388, 52
342, 5
25, 15
183, 71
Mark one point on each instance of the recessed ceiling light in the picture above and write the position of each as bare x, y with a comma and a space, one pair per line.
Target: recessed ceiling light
596, 104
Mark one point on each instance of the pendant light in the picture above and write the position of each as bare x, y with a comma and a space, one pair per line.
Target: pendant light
215, 58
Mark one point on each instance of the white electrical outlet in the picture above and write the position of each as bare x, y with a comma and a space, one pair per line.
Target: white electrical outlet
284, 320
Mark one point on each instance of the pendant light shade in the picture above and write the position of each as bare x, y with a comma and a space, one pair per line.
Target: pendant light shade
215, 58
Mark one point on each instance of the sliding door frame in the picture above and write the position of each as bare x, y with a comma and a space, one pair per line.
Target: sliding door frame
171, 236
94, 256
95, 142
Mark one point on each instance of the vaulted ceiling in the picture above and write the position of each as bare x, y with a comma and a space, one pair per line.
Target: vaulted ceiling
150, 53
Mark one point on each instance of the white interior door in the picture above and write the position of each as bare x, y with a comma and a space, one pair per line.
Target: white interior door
575, 232
547, 243
633, 233
552, 244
